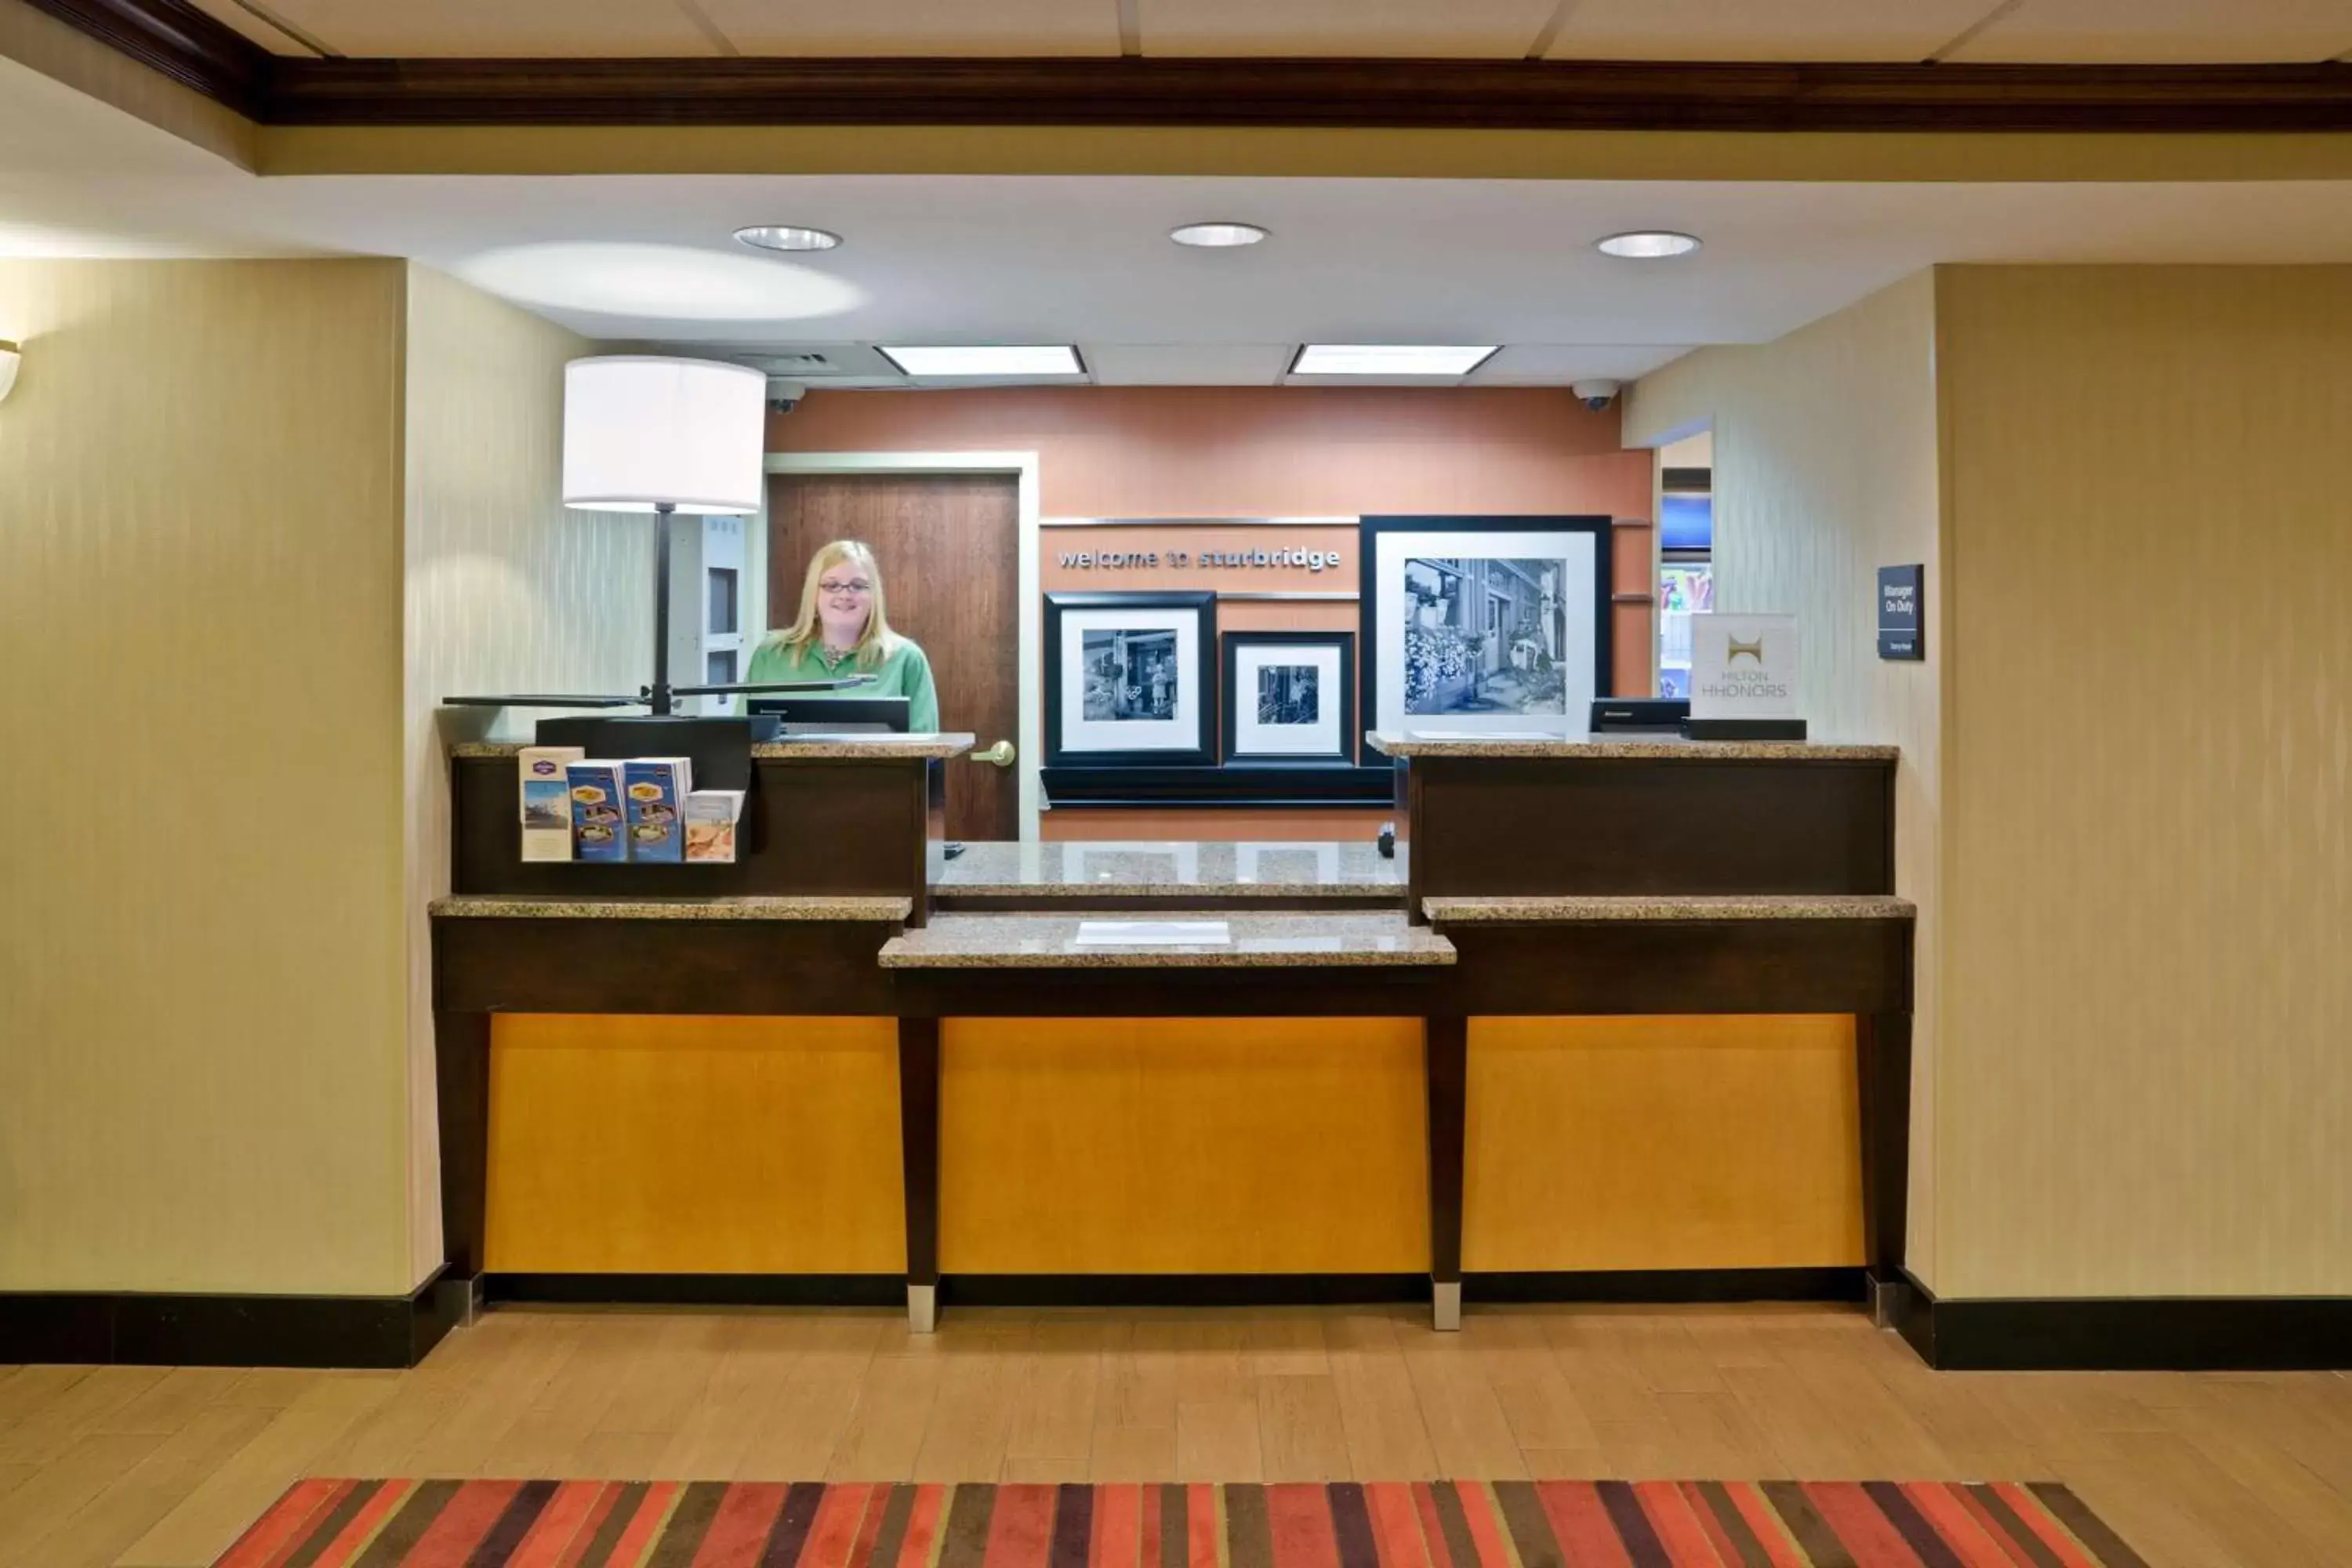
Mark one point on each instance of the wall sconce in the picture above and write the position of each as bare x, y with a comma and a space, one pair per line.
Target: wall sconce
10, 358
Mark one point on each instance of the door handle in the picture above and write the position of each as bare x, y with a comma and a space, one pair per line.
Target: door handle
998, 755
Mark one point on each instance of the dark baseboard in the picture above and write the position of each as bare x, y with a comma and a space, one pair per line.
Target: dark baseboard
700, 1290
1179, 1290
1668, 1284
138, 1329
2153, 1333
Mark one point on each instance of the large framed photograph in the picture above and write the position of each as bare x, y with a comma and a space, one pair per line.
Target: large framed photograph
1290, 698
1131, 679
1485, 626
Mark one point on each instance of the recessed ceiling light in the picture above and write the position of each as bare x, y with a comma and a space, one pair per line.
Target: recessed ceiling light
1217, 236
1647, 243
1388, 359
787, 236
991, 359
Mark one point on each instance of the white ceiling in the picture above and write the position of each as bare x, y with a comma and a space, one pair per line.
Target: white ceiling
970, 260
2087, 31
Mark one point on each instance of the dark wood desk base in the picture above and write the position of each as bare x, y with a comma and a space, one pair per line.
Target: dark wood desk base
1861, 967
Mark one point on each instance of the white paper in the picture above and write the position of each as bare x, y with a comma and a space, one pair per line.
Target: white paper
1493, 735
1153, 933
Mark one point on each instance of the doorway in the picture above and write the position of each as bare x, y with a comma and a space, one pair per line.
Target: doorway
949, 546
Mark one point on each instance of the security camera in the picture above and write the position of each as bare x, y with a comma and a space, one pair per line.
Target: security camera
784, 395
1596, 395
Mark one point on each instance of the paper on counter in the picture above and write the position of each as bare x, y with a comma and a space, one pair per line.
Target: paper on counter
1153, 933
1547, 735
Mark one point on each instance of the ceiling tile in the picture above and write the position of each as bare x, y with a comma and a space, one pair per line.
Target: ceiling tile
2165, 32
498, 28
252, 26
1557, 365
918, 27
1491, 29
1187, 365
1762, 29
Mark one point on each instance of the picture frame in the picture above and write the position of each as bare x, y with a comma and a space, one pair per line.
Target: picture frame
1484, 626
1131, 679
1289, 698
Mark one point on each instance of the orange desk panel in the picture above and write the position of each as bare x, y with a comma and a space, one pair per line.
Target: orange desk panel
1182, 1145
647, 1144
1662, 1143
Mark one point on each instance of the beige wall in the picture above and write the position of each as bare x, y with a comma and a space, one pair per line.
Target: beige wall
201, 983
215, 968
2148, 1071
1824, 449
507, 591
2135, 729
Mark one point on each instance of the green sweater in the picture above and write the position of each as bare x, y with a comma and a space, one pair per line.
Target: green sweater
903, 672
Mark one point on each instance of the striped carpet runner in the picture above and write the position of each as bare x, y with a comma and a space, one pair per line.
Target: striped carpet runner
1443, 1524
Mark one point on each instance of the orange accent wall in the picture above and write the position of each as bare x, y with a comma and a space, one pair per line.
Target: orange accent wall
1257, 451
1273, 451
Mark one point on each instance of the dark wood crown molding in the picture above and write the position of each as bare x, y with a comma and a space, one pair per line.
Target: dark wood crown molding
1409, 94
191, 47
183, 43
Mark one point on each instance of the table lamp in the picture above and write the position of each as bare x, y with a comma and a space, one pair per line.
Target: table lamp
650, 433
643, 433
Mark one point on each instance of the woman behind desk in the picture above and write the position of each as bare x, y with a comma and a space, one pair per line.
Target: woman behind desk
841, 631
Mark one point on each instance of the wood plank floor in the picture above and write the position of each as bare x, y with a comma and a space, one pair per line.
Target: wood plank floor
151, 1467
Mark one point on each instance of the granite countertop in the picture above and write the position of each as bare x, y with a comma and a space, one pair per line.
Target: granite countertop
732, 907
1142, 869
1666, 747
811, 748
1296, 941
1640, 907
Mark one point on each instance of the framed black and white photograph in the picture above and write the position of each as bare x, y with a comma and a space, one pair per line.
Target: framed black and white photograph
1291, 697
1485, 626
1129, 679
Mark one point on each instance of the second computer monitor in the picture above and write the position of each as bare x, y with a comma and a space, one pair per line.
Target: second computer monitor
834, 715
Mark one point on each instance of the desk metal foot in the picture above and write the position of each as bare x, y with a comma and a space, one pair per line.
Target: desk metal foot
922, 1307
1886, 1301
1446, 1316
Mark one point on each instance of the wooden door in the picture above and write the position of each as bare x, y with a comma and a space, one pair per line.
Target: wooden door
949, 548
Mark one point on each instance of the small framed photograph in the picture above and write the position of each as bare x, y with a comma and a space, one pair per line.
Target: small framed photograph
1485, 626
1291, 697
1131, 679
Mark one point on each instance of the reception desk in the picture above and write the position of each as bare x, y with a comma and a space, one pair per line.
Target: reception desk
1632, 1058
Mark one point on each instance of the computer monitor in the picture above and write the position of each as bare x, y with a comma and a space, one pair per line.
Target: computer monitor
832, 715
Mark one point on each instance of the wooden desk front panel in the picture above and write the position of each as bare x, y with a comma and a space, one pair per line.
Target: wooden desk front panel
812, 827
1499, 827
1183, 1146
635, 1144
1662, 1144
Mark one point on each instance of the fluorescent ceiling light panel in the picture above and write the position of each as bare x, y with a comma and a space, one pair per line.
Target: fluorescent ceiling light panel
1389, 359
998, 359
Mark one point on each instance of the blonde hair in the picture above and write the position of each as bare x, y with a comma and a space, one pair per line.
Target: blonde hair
807, 633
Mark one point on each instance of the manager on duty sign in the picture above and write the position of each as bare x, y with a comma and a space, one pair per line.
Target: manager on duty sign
1743, 667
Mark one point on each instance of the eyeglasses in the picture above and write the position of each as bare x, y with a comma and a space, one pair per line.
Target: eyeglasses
859, 587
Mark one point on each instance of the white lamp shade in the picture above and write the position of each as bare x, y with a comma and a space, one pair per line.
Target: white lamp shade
9, 360
641, 431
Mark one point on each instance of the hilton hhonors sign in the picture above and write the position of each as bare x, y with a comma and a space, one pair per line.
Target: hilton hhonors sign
1743, 667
